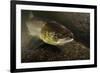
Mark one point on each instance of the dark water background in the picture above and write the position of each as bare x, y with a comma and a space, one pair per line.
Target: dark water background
78, 23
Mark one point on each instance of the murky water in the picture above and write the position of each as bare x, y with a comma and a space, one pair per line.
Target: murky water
35, 50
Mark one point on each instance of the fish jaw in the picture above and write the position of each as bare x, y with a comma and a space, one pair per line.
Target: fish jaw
64, 41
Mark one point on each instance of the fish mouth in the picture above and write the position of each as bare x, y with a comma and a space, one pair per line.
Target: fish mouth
64, 41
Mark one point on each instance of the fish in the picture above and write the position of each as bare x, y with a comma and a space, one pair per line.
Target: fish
50, 32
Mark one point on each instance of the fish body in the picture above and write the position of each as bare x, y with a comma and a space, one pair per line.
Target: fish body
50, 32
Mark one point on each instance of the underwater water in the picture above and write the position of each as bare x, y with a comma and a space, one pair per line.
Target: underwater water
34, 49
